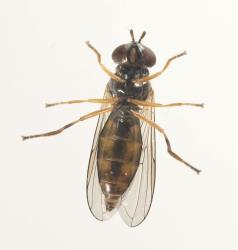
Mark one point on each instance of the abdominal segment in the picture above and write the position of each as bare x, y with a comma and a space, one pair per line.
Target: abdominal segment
119, 150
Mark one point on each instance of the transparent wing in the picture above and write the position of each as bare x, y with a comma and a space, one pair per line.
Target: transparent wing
136, 202
95, 196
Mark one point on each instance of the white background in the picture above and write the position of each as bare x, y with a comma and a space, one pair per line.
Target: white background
42, 182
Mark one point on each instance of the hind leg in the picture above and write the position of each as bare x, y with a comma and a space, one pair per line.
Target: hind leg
58, 131
169, 149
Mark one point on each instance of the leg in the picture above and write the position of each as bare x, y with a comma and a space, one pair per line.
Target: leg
109, 101
169, 149
58, 131
155, 105
107, 71
150, 77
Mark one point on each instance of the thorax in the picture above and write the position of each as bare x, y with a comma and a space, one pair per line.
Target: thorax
130, 89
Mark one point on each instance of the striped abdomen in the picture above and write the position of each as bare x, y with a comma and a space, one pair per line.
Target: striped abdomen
118, 157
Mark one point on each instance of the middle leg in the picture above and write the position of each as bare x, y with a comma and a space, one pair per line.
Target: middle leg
158, 105
102, 101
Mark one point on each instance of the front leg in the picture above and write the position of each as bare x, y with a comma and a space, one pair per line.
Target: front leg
150, 77
106, 70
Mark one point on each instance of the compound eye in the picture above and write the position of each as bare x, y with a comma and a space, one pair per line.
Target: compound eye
119, 53
148, 57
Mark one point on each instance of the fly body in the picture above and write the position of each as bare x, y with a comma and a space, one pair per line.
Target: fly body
121, 170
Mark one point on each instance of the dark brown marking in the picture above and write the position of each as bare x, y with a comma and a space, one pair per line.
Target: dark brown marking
119, 150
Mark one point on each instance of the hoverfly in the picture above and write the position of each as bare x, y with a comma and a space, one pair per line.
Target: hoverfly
121, 171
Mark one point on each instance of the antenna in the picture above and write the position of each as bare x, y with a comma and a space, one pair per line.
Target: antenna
132, 35
142, 36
